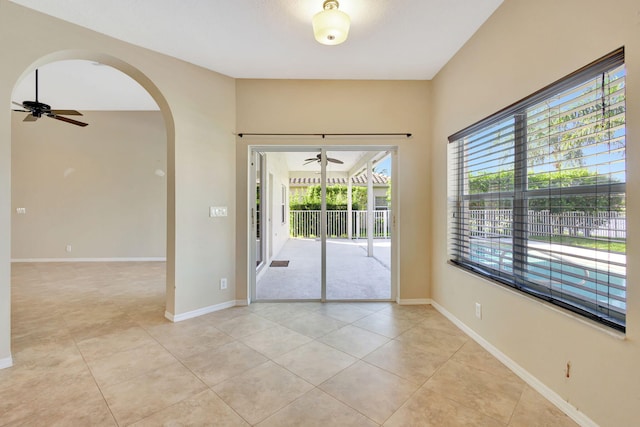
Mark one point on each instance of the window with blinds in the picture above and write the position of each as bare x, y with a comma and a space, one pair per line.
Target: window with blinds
537, 193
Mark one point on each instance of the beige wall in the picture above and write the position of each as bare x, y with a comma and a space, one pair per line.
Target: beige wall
198, 108
279, 232
311, 106
94, 188
524, 46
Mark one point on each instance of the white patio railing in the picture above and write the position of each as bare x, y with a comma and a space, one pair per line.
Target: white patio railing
307, 224
498, 222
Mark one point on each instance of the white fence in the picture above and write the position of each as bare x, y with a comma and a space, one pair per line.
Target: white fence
498, 222
307, 224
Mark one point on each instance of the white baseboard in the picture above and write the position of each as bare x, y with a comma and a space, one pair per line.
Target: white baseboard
242, 303
199, 312
417, 301
527, 377
138, 259
7, 362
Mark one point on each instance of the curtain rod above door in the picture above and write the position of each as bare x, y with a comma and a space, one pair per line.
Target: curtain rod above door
323, 135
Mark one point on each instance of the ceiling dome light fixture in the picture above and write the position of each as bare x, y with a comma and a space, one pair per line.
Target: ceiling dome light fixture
331, 26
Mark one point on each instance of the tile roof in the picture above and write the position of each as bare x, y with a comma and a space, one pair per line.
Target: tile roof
356, 180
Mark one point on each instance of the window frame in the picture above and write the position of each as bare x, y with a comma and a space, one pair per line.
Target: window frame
521, 194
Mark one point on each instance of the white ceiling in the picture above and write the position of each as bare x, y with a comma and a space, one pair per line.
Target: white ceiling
388, 39
354, 161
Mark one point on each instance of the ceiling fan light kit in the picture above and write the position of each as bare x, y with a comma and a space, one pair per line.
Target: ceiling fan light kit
331, 26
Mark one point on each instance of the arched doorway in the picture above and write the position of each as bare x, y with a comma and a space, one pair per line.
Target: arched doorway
165, 172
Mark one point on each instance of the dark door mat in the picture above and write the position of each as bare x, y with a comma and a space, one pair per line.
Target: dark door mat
279, 264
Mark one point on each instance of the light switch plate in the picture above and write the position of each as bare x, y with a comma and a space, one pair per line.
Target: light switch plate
217, 211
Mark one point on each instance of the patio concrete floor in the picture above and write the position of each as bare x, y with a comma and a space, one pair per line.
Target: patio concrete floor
351, 274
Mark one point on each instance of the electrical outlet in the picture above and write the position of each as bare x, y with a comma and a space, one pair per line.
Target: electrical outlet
68, 248
21, 211
479, 310
223, 283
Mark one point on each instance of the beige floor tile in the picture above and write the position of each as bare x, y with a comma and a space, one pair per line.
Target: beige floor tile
189, 337
108, 344
205, 409
153, 391
345, 312
435, 320
493, 395
429, 409
242, 326
317, 409
48, 390
223, 315
127, 364
407, 312
40, 326
224, 362
49, 353
473, 355
434, 340
315, 362
410, 362
262, 391
84, 331
354, 341
276, 341
81, 412
370, 390
533, 410
313, 325
384, 324
372, 307
279, 312
67, 316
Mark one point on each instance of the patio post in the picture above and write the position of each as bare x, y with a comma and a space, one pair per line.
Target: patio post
349, 209
370, 200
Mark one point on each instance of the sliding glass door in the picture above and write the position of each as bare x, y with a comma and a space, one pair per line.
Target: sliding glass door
325, 217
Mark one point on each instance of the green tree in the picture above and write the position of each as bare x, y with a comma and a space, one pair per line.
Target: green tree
503, 182
336, 198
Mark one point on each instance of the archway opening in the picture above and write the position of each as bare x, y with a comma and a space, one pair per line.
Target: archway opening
92, 207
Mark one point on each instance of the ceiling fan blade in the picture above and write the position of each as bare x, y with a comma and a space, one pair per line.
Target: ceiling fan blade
30, 118
309, 161
18, 104
340, 162
66, 112
21, 111
68, 120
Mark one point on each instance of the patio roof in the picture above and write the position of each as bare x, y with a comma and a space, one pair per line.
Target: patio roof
356, 180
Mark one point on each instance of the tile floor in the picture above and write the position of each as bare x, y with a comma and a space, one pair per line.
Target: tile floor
91, 348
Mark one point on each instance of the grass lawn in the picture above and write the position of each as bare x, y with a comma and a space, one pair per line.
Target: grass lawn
605, 245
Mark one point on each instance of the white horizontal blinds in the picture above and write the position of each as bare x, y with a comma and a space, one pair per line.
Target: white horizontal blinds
537, 193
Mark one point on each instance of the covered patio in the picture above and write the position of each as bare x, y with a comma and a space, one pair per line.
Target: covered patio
351, 274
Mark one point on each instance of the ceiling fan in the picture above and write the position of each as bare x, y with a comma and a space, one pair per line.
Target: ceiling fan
37, 109
318, 157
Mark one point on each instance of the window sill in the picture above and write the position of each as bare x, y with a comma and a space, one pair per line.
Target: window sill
589, 323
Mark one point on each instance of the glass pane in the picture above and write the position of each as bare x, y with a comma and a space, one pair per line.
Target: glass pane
258, 208
355, 269
577, 249
293, 270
